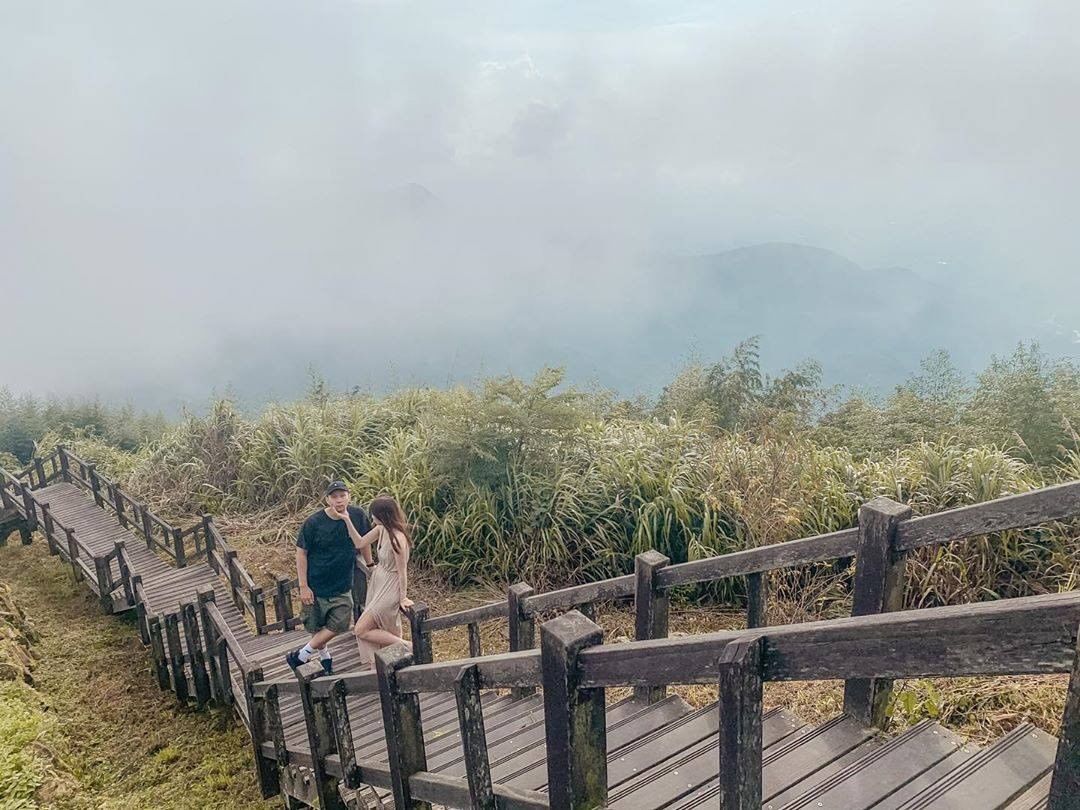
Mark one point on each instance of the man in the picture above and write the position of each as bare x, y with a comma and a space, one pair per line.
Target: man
325, 560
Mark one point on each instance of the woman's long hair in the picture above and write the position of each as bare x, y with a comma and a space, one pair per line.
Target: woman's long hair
386, 510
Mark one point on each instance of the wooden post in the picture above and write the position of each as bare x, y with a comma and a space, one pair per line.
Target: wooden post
5, 497
1065, 783
140, 609
222, 652
258, 609
211, 543
878, 588
757, 587
234, 578
50, 529
651, 612
73, 554
522, 628
118, 505
343, 737
203, 596
157, 647
288, 776
178, 548
474, 641
120, 550
101, 572
265, 768
740, 724
39, 465
321, 739
574, 718
147, 527
95, 483
195, 654
421, 639
473, 738
65, 464
29, 508
283, 602
176, 657
404, 732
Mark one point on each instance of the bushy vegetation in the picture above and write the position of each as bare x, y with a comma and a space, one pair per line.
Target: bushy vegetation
534, 480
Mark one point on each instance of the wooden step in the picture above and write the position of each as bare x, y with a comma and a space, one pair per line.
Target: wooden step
882, 772
794, 760
686, 769
1036, 797
994, 776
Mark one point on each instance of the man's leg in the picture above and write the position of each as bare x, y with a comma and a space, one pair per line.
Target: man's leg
321, 638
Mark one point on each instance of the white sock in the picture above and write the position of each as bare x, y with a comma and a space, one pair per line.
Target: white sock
306, 653
326, 654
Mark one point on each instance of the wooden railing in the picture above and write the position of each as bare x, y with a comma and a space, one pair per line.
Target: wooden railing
200, 541
1030, 635
879, 643
886, 535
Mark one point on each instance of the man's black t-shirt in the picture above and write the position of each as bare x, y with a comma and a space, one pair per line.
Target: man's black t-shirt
331, 555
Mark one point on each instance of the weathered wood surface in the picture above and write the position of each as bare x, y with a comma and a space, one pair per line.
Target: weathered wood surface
878, 588
740, 690
824, 548
576, 726
616, 588
1032, 635
1012, 512
653, 755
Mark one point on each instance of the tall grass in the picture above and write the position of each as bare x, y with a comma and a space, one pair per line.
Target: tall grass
508, 483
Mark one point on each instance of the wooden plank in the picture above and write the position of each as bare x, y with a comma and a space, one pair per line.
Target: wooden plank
1065, 787
475, 650
650, 611
1012, 512
506, 671
1029, 635
157, 647
404, 732
740, 724
260, 728
494, 610
823, 548
421, 640
878, 588
474, 738
574, 717
615, 588
757, 587
337, 703
449, 791
195, 654
522, 627
320, 735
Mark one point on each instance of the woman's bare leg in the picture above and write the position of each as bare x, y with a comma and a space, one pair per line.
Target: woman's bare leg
365, 630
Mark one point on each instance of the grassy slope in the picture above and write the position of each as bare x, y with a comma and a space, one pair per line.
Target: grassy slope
124, 742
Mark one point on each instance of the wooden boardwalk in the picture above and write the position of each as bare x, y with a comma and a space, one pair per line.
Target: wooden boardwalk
659, 752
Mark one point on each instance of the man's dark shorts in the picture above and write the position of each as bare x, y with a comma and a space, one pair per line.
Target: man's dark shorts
332, 612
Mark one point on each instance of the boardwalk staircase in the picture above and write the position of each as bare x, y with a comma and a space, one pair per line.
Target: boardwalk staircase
533, 728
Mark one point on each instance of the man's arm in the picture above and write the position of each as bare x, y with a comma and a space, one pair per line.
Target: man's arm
306, 595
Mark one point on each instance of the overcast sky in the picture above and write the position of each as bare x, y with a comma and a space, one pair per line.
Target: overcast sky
196, 194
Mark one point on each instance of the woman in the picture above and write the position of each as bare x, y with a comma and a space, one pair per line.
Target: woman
380, 624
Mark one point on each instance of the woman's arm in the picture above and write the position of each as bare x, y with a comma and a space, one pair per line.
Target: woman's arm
362, 543
402, 558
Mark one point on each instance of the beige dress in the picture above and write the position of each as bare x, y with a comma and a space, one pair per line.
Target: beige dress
383, 601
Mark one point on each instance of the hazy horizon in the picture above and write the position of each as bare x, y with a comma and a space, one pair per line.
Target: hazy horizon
403, 194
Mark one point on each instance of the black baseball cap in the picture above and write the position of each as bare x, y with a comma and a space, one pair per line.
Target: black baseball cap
334, 486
